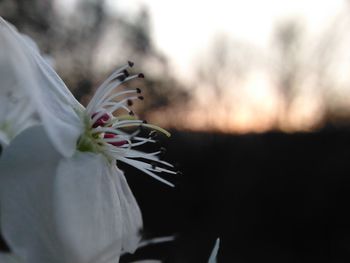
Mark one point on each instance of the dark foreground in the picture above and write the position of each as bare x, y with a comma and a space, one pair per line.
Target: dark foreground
270, 198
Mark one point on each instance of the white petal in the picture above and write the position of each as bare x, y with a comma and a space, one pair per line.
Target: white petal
27, 173
132, 218
4, 139
16, 110
9, 258
89, 214
27, 71
55, 209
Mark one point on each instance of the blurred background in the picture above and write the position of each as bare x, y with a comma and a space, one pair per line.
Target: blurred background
257, 96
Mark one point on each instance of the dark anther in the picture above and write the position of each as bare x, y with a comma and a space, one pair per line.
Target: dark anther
126, 73
140, 97
154, 165
141, 75
144, 121
138, 90
121, 78
162, 150
131, 113
129, 102
179, 173
131, 64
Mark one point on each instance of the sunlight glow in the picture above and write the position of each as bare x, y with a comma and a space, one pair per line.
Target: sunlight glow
184, 30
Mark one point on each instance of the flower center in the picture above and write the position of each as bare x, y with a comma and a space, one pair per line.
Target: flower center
119, 136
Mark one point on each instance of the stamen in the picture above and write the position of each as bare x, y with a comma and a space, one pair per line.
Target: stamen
159, 169
153, 134
122, 77
119, 123
100, 119
109, 84
112, 139
154, 166
115, 74
101, 116
101, 94
114, 96
141, 166
154, 127
114, 105
126, 73
106, 132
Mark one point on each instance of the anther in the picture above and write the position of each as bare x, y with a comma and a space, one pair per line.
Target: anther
129, 102
154, 165
131, 113
131, 64
126, 73
141, 75
144, 121
140, 97
138, 90
179, 173
121, 78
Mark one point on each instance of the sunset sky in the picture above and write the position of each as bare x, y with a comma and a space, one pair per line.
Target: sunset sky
185, 30
199, 21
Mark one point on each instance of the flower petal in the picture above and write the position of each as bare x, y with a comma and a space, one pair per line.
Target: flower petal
27, 172
56, 209
4, 139
16, 111
132, 218
28, 72
8, 258
88, 209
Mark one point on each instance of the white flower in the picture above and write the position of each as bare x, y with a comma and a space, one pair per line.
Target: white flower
16, 112
62, 197
26, 75
8, 258
64, 209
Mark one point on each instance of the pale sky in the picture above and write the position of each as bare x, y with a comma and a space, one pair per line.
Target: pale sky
183, 29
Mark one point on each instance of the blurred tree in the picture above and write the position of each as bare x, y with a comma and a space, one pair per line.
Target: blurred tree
77, 39
289, 68
220, 75
313, 64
